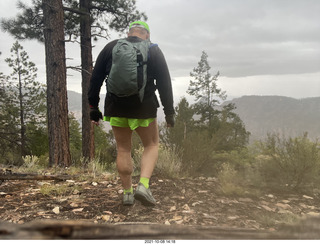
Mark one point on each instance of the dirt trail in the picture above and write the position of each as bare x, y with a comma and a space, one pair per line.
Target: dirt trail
179, 202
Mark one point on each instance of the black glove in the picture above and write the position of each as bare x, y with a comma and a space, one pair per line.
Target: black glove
170, 120
95, 114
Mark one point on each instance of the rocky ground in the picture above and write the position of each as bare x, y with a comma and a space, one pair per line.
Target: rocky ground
179, 202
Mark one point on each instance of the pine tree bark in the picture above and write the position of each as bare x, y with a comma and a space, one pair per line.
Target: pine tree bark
22, 124
86, 65
57, 102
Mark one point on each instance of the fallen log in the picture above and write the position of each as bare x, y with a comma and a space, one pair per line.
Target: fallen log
75, 230
15, 176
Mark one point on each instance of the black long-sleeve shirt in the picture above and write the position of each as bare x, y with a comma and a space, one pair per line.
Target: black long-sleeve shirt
158, 77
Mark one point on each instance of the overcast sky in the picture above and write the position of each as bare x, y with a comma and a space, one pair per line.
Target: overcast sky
260, 47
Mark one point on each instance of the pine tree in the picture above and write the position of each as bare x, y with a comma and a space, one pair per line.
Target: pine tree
184, 123
87, 19
9, 140
223, 125
205, 90
57, 102
24, 95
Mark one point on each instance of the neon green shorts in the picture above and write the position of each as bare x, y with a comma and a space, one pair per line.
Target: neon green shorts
126, 122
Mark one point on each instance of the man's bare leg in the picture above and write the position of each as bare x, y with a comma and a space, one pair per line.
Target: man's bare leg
150, 140
124, 160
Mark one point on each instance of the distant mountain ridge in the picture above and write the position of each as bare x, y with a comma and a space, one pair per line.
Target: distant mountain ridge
260, 114
278, 114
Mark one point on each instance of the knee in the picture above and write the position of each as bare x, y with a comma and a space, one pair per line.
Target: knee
124, 169
124, 163
152, 146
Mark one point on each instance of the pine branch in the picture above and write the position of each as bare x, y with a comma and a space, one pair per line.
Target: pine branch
78, 69
76, 11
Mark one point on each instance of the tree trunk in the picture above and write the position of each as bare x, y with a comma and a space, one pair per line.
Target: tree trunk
86, 65
57, 102
21, 109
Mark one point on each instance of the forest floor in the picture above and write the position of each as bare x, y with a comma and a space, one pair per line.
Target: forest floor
196, 201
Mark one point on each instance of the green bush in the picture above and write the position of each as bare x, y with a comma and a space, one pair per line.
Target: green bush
292, 163
231, 182
168, 164
196, 157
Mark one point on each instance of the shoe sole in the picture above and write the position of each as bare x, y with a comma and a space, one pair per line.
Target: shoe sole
143, 200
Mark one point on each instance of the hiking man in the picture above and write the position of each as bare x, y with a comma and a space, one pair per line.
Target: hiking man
135, 109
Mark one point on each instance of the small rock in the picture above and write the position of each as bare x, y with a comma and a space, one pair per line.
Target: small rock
186, 207
245, 199
283, 205
233, 217
285, 201
264, 203
106, 218
270, 196
167, 222
307, 197
116, 219
303, 205
94, 183
120, 191
173, 208
267, 208
205, 215
56, 210
74, 205
77, 210
41, 183
160, 181
283, 211
211, 179
104, 182
195, 204
63, 199
313, 214
177, 218
179, 222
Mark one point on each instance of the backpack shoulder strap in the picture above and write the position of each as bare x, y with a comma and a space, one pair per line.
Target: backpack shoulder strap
151, 46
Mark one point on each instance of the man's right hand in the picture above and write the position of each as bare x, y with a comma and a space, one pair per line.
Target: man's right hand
170, 120
95, 114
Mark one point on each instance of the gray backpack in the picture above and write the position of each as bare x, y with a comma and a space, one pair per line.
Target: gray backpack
128, 74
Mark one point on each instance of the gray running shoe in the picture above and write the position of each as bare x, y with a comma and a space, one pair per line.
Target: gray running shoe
128, 199
144, 195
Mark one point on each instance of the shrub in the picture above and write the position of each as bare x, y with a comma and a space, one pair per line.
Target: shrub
169, 161
289, 163
230, 181
197, 153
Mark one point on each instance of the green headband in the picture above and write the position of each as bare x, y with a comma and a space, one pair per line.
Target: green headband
139, 24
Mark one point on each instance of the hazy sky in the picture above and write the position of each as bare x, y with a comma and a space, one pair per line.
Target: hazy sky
260, 47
